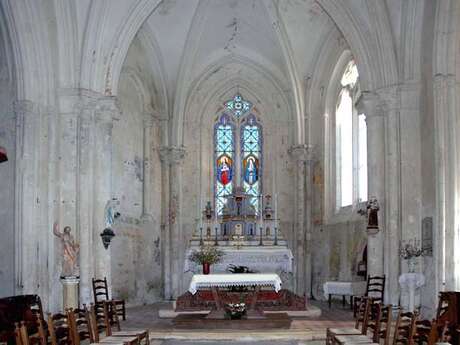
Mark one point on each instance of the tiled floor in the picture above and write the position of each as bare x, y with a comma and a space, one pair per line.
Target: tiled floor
302, 330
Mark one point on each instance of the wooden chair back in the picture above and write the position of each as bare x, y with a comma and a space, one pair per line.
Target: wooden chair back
111, 317
375, 288
381, 322
425, 332
22, 336
363, 315
405, 328
100, 290
59, 329
97, 323
79, 324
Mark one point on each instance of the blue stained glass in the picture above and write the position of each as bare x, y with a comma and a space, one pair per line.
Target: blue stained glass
251, 151
224, 151
238, 106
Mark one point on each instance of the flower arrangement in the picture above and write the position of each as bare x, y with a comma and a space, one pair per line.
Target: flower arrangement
206, 255
235, 311
408, 251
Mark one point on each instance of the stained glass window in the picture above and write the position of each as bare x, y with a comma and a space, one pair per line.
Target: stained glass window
251, 158
224, 160
238, 106
237, 153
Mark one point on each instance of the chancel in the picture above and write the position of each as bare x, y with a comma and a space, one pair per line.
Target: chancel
271, 168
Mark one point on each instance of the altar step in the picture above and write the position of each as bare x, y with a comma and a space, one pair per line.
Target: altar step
312, 312
199, 321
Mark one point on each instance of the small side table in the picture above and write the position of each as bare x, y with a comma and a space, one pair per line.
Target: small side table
344, 289
409, 283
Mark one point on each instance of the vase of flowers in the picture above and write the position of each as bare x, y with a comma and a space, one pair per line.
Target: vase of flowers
206, 256
411, 252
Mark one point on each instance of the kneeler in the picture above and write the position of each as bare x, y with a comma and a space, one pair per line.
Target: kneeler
363, 315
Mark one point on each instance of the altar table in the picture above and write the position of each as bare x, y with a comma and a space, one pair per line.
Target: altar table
215, 281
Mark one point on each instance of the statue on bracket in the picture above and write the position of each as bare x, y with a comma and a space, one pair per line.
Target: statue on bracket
372, 213
70, 250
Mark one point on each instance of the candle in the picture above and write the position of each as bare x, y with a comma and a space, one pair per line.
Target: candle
260, 232
201, 236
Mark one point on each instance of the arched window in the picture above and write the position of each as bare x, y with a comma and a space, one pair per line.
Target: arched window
350, 142
237, 152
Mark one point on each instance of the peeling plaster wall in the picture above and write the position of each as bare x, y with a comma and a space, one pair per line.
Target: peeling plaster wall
135, 250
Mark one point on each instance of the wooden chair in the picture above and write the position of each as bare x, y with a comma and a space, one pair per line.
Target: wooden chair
360, 324
101, 293
27, 308
371, 322
98, 324
79, 324
59, 329
383, 324
112, 320
375, 288
22, 336
426, 332
405, 328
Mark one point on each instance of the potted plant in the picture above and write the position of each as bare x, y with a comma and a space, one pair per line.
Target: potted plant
206, 256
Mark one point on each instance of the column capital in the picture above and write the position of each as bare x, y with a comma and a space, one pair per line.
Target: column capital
172, 154
107, 109
441, 81
368, 103
390, 97
301, 152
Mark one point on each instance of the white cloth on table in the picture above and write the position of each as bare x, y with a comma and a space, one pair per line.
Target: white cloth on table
344, 288
228, 280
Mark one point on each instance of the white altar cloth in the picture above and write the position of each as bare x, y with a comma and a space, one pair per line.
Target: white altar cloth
344, 288
228, 280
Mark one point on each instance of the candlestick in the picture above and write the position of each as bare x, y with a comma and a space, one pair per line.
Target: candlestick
260, 241
276, 237
201, 236
216, 243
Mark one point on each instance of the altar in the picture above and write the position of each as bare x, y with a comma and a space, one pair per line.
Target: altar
248, 235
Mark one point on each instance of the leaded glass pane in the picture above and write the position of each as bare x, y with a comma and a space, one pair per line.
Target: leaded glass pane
224, 165
251, 160
238, 106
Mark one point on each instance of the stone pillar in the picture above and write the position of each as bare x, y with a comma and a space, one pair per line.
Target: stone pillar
106, 110
26, 195
376, 177
94, 181
390, 102
299, 154
447, 237
146, 187
172, 158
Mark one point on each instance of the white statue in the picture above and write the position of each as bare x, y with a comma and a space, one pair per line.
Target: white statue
70, 250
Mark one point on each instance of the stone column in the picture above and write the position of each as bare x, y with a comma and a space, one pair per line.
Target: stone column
369, 104
390, 102
299, 154
26, 194
94, 181
106, 110
146, 187
172, 158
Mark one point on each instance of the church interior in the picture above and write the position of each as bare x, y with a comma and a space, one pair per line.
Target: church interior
229, 171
